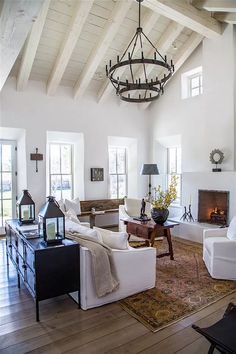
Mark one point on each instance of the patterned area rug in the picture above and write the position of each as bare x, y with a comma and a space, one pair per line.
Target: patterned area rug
183, 286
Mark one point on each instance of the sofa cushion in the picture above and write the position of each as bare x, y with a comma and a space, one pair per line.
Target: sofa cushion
71, 215
231, 233
61, 205
73, 204
71, 226
115, 240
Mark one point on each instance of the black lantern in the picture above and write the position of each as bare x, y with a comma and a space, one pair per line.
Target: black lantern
51, 222
25, 208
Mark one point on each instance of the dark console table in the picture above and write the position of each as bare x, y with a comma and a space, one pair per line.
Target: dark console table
46, 271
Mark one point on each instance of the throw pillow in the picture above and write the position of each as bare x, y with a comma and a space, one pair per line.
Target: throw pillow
61, 205
231, 233
115, 240
71, 215
71, 226
73, 204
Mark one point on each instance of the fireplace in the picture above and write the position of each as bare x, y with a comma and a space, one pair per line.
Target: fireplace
213, 206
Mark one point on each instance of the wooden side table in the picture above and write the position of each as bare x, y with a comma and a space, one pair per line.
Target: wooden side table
149, 230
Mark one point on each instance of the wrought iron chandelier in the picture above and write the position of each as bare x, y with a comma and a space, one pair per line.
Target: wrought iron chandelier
129, 75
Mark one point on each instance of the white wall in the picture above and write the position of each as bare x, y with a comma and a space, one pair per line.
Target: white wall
38, 113
204, 122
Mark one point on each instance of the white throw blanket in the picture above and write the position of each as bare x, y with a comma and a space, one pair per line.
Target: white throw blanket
105, 278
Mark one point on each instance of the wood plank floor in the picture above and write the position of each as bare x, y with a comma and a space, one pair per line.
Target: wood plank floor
108, 329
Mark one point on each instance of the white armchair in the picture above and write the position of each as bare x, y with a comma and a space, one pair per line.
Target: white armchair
131, 208
219, 254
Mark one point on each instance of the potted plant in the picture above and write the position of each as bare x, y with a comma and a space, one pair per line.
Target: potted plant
162, 200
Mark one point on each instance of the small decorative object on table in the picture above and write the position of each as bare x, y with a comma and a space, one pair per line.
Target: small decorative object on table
143, 216
216, 157
25, 208
51, 223
162, 200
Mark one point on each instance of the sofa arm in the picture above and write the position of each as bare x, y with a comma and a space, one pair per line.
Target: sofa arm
122, 215
225, 250
221, 232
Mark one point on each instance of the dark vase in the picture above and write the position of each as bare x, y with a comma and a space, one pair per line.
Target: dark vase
159, 215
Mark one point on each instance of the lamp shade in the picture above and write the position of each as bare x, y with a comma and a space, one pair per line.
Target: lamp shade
149, 169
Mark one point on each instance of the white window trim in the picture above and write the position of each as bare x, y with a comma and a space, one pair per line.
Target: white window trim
14, 179
177, 202
186, 82
119, 174
69, 174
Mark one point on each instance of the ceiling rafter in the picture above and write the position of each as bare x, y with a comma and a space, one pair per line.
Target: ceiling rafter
80, 15
31, 46
15, 22
187, 15
111, 28
148, 22
184, 53
216, 5
228, 17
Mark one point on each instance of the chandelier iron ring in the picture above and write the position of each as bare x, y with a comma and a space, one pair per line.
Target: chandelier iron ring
157, 92
112, 69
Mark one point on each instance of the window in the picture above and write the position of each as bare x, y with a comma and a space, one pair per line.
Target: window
118, 172
60, 171
174, 168
195, 85
7, 180
191, 83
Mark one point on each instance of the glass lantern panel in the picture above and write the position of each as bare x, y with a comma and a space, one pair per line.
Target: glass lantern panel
25, 212
31, 207
51, 228
40, 226
60, 228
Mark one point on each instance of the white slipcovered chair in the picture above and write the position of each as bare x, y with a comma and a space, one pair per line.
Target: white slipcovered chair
131, 208
219, 251
136, 272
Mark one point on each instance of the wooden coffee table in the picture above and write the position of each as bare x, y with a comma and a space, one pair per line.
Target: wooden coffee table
149, 230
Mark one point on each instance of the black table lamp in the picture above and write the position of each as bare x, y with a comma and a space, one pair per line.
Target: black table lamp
149, 169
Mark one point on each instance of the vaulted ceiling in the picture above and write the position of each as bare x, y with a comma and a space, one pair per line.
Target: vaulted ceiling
69, 42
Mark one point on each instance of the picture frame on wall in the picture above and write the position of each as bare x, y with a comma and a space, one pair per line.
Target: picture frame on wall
97, 174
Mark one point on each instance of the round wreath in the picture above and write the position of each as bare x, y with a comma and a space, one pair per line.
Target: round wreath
213, 158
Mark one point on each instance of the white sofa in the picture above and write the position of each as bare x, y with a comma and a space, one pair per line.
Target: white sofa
136, 272
131, 208
219, 254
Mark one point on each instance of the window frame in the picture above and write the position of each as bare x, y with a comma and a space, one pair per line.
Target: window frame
190, 86
62, 174
13, 144
118, 174
176, 202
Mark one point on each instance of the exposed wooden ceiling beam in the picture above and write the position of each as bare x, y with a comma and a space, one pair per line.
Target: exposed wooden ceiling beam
31, 48
216, 5
114, 22
187, 15
226, 17
16, 21
183, 54
80, 15
148, 22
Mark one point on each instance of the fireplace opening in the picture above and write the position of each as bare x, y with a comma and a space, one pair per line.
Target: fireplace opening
213, 207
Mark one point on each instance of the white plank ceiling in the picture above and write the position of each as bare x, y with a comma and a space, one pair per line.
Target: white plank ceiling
71, 41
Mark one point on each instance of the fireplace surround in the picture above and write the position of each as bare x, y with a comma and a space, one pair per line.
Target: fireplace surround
213, 206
